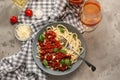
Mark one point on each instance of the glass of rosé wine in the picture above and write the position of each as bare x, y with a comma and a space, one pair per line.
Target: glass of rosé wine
90, 14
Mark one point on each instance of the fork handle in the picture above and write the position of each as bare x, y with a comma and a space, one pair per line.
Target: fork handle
92, 67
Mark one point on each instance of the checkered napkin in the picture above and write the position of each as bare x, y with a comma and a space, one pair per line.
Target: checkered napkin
21, 66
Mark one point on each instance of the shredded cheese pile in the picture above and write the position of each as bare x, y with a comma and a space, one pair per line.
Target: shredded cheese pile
23, 32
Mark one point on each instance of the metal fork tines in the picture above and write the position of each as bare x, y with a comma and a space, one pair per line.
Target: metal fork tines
68, 46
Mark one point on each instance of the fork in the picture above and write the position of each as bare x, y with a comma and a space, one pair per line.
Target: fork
91, 66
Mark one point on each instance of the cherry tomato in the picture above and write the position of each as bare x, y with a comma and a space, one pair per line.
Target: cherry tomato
57, 64
49, 57
50, 34
42, 58
28, 12
63, 67
13, 19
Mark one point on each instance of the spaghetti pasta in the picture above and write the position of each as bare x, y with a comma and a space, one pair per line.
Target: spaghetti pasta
53, 49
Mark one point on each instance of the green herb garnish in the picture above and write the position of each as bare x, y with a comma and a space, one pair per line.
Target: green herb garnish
55, 49
63, 51
62, 30
74, 36
67, 62
41, 37
45, 63
62, 61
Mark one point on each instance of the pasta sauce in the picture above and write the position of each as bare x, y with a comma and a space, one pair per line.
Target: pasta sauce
53, 52
52, 57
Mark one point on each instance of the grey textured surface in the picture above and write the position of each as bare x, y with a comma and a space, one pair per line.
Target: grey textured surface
102, 44
8, 43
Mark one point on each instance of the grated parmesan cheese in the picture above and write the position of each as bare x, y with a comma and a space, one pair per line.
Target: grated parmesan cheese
23, 32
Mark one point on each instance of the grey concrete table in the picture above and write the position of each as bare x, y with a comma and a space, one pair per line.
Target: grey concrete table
102, 44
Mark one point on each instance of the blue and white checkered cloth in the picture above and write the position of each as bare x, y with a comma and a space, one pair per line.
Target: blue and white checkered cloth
21, 66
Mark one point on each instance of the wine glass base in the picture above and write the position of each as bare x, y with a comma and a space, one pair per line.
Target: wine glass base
89, 29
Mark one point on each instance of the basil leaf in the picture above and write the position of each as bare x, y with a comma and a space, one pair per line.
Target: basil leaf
74, 36
62, 30
55, 49
63, 51
41, 37
62, 61
45, 63
67, 62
